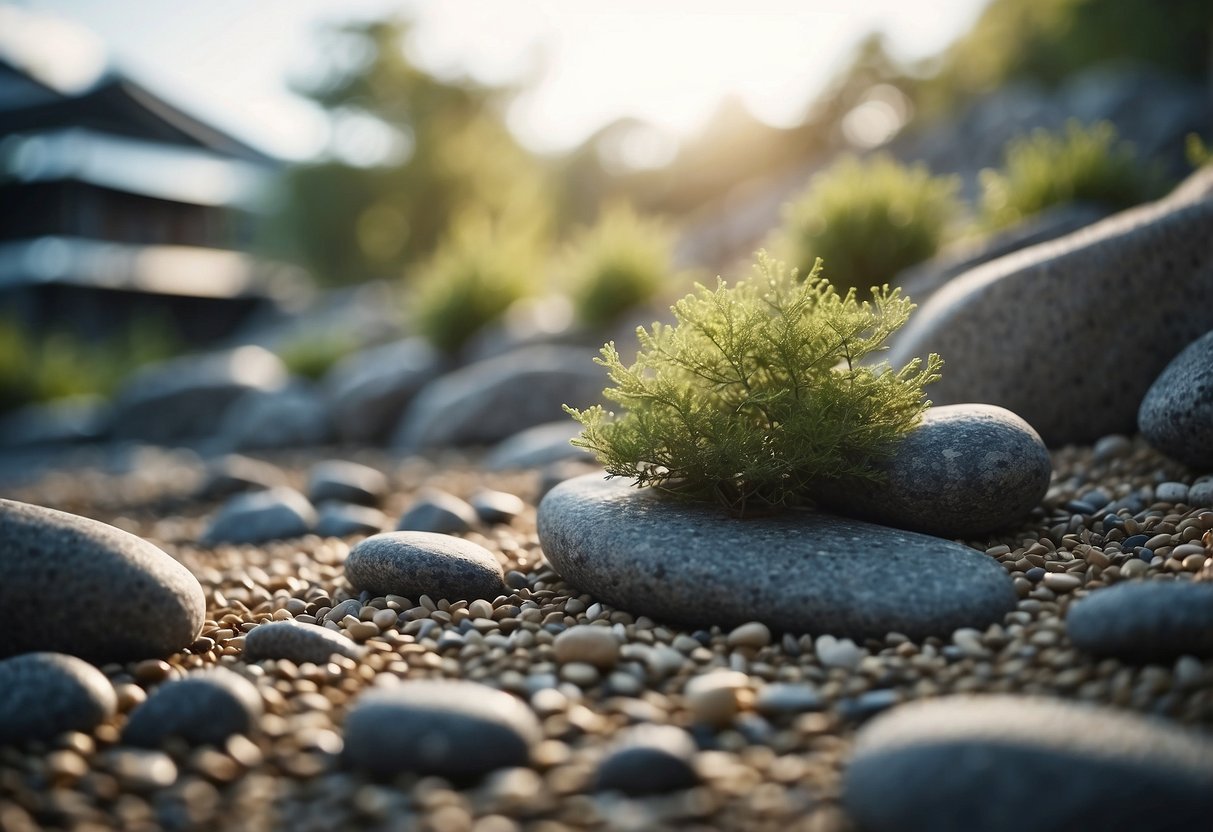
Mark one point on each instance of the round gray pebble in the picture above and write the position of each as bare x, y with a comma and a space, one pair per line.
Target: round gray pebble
1176, 415
1145, 621
423, 563
274, 514
343, 519
297, 642
648, 759
439, 512
44, 694
453, 729
346, 482
204, 708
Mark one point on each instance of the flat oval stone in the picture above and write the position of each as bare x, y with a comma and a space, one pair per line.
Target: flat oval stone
346, 482
1145, 621
437, 511
965, 471
43, 695
965, 763
453, 729
803, 572
648, 759
424, 563
140, 603
204, 708
297, 642
342, 519
259, 516
1176, 415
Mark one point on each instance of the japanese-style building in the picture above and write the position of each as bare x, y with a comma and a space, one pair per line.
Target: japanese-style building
117, 206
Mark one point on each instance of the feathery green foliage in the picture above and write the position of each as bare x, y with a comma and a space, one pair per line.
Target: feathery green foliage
869, 219
1045, 169
479, 269
756, 396
616, 265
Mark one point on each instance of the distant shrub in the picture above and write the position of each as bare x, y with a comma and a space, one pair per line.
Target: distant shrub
38, 367
616, 265
1084, 163
477, 272
869, 219
313, 357
756, 396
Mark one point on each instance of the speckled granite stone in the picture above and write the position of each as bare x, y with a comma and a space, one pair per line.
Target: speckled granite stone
417, 563
1176, 415
1070, 334
44, 694
802, 571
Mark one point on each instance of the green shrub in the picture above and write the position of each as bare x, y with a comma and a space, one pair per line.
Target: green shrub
312, 357
617, 265
755, 396
38, 367
1046, 169
478, 271
869, 219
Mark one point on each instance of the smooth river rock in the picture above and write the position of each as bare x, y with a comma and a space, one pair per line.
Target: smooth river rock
273, 514
449, 728
1145, 621
1042, 332
204, 708
424, 563
297, 642
801, 572
965, 471
1008, 764
129, 600
44, 694
1176, 416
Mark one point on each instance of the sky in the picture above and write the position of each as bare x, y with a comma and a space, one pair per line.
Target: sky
585, 64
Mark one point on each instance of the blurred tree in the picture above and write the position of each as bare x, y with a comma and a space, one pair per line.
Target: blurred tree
430, 148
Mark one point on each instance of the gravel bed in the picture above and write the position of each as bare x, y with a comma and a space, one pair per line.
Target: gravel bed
768, 760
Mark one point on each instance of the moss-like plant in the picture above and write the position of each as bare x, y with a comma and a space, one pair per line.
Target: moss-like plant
869, 219
478, 271
1082, 163
755, 397
313, 356
616, 265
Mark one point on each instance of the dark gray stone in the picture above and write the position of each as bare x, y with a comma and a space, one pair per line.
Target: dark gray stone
342, 519
424, 563
43, 695
1176, 416
232, 473
648, 759
65, 421
369, 390
204, 708
297, 642
485, 402
140, 602
293, 417
258, 516
496, 506
788, 698
536, 447
187, 397
1145, 621
802, 571
923, 280
1200, 495
967, 470
451, 729
976, 764
1030, 332
346, 482
437, 511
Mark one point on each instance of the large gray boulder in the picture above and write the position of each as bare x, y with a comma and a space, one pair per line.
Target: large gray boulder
187, 397
367, 391
490, 400
74, 585
977, 764
1070, 334
801, 571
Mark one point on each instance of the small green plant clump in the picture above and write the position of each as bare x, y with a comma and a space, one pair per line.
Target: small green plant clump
1083, 163
618, 264
313, 356
38, 367
755, 397
869, 219
477, 272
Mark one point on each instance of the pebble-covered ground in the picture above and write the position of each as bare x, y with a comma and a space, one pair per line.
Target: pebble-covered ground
769, 756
